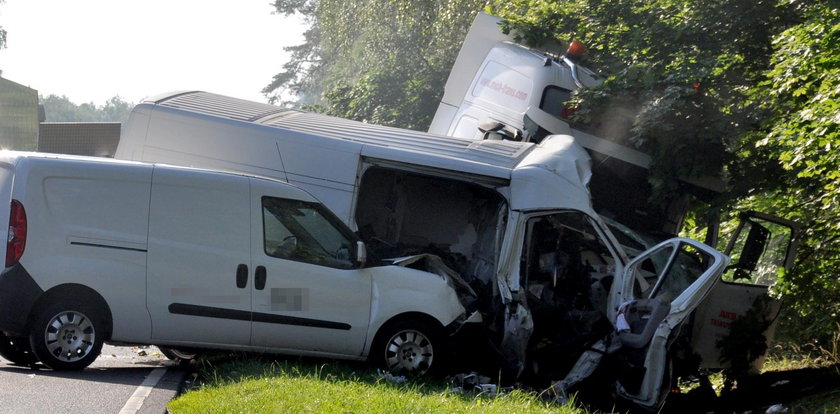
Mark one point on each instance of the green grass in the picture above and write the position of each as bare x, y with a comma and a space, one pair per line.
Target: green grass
791, 356
256, 386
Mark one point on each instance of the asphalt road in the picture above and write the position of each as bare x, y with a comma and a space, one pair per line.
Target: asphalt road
123, 380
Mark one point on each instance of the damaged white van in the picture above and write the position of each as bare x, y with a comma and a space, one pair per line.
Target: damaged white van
548, 288
101, 250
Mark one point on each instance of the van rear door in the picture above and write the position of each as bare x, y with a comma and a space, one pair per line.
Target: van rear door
762, 247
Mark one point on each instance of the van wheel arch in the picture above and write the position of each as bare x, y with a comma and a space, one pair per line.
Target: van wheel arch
429, 328
74, 291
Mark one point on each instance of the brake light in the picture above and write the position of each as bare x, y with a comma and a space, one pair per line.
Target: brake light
16, 241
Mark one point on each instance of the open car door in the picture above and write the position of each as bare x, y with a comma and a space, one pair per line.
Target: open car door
761, 247
660, 289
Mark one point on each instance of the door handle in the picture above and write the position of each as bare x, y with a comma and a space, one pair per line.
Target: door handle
259, 278
241, 276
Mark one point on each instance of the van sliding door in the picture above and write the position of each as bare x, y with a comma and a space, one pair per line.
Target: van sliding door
199, 258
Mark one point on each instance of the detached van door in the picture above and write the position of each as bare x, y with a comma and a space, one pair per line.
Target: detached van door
660, 289
308, 294
199, 258
761, 247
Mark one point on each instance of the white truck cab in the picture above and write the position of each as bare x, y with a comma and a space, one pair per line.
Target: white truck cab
125, 252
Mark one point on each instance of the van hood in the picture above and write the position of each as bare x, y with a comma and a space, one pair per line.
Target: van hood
434, 264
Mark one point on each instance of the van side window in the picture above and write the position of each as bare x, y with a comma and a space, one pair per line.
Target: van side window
554, 101
305, 232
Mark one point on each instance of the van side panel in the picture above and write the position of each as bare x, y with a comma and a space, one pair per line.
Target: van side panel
325, 168
196, 140
88, 224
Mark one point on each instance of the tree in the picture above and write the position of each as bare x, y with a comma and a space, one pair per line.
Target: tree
61, 109
676, 72
801, 97
378, 61
2, 37
302, 74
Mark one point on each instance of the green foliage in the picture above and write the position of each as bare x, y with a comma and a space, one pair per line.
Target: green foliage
61, 109
381, 61
2, 37
303, 73
676, 73
801, 97
746, 341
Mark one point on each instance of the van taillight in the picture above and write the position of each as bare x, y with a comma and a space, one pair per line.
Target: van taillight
16, 241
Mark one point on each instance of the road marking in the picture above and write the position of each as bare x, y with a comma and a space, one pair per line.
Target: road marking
135, 402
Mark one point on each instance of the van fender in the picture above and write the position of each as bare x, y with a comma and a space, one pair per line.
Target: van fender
397, 290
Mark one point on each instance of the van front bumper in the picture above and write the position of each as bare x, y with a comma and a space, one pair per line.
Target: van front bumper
18, 294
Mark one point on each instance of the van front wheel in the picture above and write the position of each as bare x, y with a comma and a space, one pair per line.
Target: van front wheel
67, 335
409, 347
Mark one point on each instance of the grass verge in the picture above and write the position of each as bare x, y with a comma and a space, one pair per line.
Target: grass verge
264, 386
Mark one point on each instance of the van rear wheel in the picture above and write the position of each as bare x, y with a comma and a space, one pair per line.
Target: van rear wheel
67, 335
17, 350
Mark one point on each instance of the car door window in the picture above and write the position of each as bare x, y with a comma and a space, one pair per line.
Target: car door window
669, 271
305, 232
760, 250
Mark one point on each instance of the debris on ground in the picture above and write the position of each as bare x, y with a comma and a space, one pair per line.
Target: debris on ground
776, 409
474, 382
387, 376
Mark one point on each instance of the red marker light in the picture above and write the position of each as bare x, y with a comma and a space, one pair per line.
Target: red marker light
575, 51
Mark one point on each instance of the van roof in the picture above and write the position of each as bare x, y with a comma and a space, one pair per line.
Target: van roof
13, 157
499, 157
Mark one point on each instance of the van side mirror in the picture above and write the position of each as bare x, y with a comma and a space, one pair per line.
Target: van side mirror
495, 130
361, 253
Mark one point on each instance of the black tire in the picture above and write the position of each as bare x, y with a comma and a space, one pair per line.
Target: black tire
410, 347
17, 350
67, 335
182, 356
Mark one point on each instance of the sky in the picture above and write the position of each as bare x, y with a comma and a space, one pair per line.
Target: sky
92, 50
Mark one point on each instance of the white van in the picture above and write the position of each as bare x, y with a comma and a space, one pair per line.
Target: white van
513, 220
101, 250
